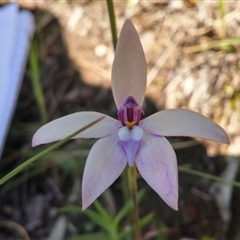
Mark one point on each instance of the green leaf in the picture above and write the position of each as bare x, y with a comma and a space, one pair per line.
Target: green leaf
143, 222
207, 238
102, 211
70, 209
100, 220
97, 236
146, 219
127, 208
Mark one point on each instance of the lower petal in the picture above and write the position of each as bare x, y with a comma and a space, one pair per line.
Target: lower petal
105, 162
156, 161
131, 148
130, 140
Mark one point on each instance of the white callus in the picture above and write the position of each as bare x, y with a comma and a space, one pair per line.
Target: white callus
136, 133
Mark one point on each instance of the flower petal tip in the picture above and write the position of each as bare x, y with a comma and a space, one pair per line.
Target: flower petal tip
127, 21
172, 200
174, 206
226, 139
35, 141
85, 204
221, 136
88, 197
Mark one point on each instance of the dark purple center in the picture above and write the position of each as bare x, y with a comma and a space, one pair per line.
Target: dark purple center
130, 113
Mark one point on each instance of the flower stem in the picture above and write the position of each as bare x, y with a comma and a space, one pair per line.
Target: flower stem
111, 14
132, 181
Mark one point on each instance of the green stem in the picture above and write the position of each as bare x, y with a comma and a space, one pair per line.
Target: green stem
113, 235
46, 151
132, 181
208, 176
124, 183
221, 8
112, 22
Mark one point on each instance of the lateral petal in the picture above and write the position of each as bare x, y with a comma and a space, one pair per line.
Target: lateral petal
129, 71
179, 122
105, 162
157, 164
64, 126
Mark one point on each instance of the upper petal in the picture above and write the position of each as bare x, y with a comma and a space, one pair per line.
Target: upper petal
179, 122
157, 164
64, 126
105, 163
129, 72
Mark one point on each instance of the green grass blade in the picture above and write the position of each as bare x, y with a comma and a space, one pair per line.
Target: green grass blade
208, 176
143, 222
221, 9
127, 208
94, 236
70, 209
225, 44
100, 220
102, 211
146, 219
36, 82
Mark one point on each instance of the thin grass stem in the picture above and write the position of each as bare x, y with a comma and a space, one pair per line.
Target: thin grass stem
221, 9
111, 14
208, 176
36, 82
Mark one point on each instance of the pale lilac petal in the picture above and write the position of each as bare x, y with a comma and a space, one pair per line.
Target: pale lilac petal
64, 126
129, 74
157, 164
179, 122
105, 163
131, 148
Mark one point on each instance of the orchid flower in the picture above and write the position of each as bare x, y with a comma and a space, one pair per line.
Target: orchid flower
131, 140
